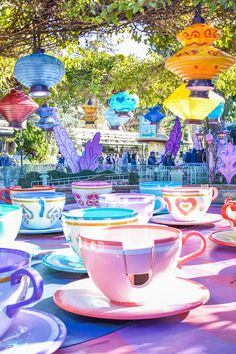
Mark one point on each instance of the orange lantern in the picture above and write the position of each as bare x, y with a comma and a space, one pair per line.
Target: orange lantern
90, 113
192, 109
198, 60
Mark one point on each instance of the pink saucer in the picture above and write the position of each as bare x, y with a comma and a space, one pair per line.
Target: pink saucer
82, 297
225, 238
167, 219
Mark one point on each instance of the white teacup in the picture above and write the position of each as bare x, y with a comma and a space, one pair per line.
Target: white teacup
41, 210
10, 221
189, 203
130, 263
14, 275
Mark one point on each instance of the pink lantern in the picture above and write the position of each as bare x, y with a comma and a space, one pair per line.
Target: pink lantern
209, 138
16, 107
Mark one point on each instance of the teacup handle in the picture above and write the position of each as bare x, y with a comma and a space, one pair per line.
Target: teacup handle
42, 203
163, 204
37, 283
6, 190
195, 254
215, 193
224, 211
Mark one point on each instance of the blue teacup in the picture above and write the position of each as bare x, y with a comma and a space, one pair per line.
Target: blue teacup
156, 189
41, 210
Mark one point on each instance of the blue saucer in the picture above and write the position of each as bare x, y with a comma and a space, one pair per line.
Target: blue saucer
64, 260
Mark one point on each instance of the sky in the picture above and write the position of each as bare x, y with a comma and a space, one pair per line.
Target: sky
129, 46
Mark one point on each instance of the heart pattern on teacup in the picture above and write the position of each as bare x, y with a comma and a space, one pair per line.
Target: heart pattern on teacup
186, 205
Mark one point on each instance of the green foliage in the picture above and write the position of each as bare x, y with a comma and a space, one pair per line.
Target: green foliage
34, 143
25, 181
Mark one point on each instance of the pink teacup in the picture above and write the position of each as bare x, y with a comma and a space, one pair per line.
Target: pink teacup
189, 203
130, 263
143, 204
228, 212
86, 192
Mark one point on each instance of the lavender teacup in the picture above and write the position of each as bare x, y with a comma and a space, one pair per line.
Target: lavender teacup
15, 273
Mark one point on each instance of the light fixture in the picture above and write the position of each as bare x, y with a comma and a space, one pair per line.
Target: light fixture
16, 107
115, 119
90, 113
214, 116
47, 121
222, 134
123, 101
154, 115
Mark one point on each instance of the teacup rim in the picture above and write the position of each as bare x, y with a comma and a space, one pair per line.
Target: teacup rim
38, 195
16, 265
12, 208
130, 214
31, 189
91, 183
132, 196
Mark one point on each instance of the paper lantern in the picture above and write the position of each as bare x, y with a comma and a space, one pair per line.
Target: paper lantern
193, 109
123, 101
39, 72
46, 122
16, 107
114, 119
90, 113
222, 134
198, 60
154, 115
214, 116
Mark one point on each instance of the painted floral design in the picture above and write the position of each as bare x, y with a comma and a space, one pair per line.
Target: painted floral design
92, 200
79, 199
54, 214
27, 214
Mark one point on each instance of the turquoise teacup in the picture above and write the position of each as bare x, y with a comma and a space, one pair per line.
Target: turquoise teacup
41, 210
10, 221
156, 189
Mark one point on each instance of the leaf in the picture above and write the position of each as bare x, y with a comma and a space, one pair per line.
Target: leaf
227, 162
92, 151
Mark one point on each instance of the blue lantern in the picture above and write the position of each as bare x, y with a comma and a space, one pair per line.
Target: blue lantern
123, 101
154, 115
214, 116
46, 122
114, 119
39, 72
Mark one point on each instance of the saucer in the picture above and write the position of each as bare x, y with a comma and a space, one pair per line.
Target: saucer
167, 219
31, 248
84, 298
55, 228
226, 238
33, 332
71, 207
64, 260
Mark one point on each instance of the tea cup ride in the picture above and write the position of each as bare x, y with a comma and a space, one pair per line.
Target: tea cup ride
132, 274
14, 274
86, 192
143, 204
74, 221
10, 221
41, 210
156, 189
187, 204
17, 189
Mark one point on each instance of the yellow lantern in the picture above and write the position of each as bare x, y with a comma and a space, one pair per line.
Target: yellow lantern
90, 113
198, 60
192, 109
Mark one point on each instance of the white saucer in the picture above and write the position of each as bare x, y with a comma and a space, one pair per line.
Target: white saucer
33, 332
55, 228
31, 248
64, 260
167, 219
84, 298
226, 238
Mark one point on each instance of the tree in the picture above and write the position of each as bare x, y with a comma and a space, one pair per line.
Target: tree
34, 143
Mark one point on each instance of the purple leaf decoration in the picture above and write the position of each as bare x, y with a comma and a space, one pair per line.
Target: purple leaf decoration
173, 144
92, 151
66, 146
227, 162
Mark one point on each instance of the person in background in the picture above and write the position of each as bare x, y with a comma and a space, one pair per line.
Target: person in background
125, 160
152, 159
168, 160
134, 161
5, 161
60, 166
158, 158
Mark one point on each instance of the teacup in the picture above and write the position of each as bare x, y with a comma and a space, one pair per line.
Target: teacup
86, 192
228, 212
130, 263
156, 189
17, 189
41, 210
74, 221
142, 203
15, 272
189, 203
10, 221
